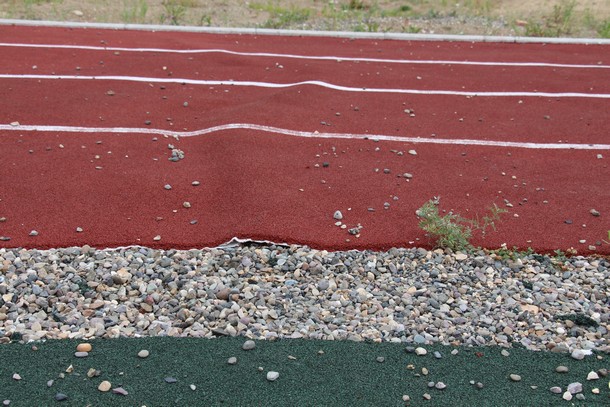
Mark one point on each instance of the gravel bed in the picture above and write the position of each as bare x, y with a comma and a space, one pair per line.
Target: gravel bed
260, 291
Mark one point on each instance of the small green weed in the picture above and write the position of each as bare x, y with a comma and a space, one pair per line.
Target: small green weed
356, 5
556, 24
412, 29
134, 11
280, 17
367, 25
513, 254
604, 32
174, 10
453, 231
287, 18
560, 256
205, 20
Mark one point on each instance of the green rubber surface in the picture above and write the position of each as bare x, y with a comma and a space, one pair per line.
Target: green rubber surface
345, 374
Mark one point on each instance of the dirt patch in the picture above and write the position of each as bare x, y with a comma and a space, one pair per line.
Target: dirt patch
565, 18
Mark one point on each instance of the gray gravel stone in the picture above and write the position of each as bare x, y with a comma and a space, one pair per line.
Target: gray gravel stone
575, 387
61, 397
578, 354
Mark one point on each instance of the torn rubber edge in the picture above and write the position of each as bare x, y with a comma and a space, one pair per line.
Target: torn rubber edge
304, 33
233, 242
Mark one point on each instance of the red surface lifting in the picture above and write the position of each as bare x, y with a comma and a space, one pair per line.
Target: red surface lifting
91, 149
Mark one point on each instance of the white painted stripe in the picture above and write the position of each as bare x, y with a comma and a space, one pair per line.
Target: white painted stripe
303, 33
315, 83
306, 57
306, 134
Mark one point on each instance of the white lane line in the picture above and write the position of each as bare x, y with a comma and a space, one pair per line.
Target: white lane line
315, 83
307, 57
306, 134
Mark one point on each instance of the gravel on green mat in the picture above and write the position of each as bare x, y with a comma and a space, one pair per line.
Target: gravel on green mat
311, 373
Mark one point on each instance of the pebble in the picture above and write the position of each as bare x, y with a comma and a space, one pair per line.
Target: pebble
592, 376
272, 376
575, 387
567, 396
60, 397
556, 390
84, 347
440, 386
515, 377
420, 351
33, 233
561, 369
578, 354
249, 345
193, 387
338, 215
419, 339
121, 391
170, 379
380, 359
104, 386
427, 396
461, 256
143, 353
437, 355
505, 353
16, 376
232, 360
81, 354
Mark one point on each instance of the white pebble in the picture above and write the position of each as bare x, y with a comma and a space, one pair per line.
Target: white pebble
272, 376
420, 351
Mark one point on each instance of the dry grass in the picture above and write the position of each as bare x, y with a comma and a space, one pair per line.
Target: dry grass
578, 18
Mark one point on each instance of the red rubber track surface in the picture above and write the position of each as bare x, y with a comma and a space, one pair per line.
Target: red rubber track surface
272, 186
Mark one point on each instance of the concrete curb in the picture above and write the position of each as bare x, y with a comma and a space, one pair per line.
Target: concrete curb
302, 33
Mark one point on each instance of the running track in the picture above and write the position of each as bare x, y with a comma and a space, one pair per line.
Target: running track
283, 131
